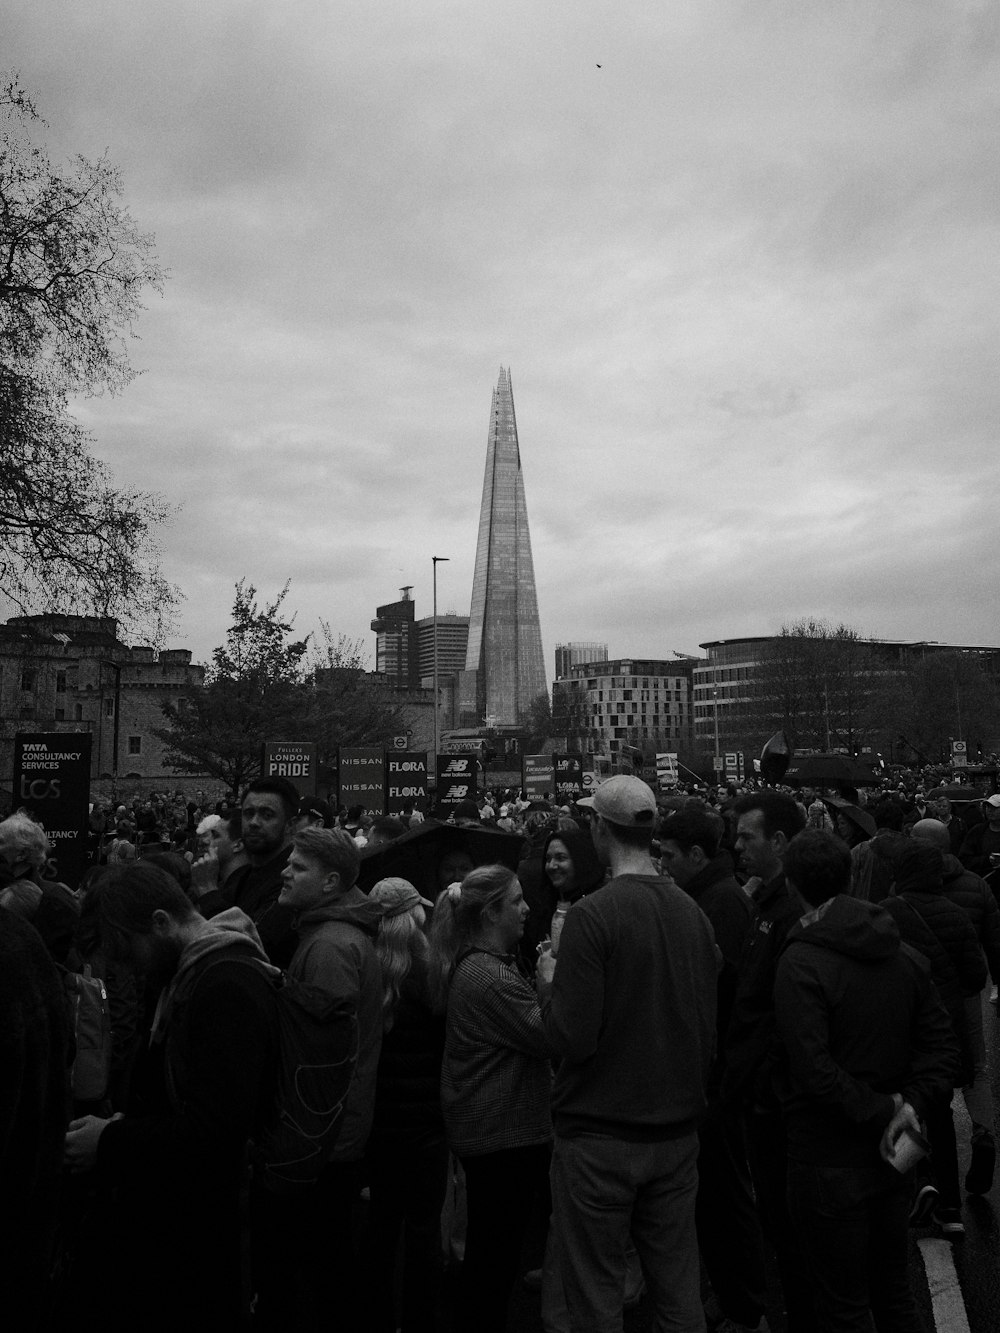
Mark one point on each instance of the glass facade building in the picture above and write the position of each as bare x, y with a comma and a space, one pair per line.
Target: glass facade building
505, 669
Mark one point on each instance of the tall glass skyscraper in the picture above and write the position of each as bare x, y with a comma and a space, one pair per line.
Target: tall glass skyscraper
504, 666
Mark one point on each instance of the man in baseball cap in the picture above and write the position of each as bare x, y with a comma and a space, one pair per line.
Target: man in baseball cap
630, 1010
624, 801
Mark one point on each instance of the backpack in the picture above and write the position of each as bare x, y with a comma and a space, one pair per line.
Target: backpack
90, 1026
317, 1051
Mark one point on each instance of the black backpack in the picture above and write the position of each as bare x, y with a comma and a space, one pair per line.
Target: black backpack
317, 1051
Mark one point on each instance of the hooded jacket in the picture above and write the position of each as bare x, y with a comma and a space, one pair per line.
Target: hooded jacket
202, 1087
858, 1020
973, 895
336, 952
921, 909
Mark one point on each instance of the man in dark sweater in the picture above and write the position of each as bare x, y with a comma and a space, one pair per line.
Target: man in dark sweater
630, 1011
729, 1234
206, 1083
868, 1048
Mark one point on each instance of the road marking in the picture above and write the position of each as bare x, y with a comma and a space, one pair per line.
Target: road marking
942, 1280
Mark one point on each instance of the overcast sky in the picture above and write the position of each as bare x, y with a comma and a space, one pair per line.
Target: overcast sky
741, 258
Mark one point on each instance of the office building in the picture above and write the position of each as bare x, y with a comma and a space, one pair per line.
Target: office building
396, 651
505, 669
569, 655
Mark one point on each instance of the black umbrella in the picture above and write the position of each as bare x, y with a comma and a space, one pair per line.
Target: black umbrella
956, 791
418, 854
831, 770
775, 757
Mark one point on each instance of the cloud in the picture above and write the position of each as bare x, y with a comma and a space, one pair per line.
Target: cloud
743, 274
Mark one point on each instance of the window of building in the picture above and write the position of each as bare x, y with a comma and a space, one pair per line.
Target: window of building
28, 677
27, 710
60, 682
60, 714
109, 707
135, 745
78, 712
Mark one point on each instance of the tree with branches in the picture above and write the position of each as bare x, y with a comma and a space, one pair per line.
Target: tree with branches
816, 682
263, 684
74, 267
254, 690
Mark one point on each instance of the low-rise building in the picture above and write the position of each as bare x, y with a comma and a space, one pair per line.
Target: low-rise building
607, 707
73, 673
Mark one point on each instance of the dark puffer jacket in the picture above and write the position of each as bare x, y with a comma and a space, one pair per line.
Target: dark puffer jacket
970, 892
859, 1021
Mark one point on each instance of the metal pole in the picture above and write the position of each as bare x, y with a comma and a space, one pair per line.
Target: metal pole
435, 561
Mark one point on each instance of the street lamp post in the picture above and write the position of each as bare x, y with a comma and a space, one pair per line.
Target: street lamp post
435, 561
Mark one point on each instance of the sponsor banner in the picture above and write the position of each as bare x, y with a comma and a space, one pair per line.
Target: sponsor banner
52, 782
568, 775
456, 778
405, 779
666, 770
960, 754
591, 782
294, 760
538, 776
361, 774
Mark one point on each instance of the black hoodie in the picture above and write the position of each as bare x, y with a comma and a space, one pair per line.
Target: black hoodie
859, 1021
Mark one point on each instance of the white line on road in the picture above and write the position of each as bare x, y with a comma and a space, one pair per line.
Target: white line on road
942, 1280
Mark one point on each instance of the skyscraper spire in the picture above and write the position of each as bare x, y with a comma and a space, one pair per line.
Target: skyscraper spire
505, 669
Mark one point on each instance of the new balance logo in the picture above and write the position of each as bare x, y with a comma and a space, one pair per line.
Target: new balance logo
458, 791
457, 766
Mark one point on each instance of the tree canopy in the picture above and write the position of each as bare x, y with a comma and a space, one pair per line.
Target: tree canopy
265, 685
73, 269
815, 681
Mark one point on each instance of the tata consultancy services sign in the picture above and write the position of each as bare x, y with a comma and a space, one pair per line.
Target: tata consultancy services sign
52, 782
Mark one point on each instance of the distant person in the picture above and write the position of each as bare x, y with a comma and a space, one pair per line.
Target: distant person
853, 1087
267, 812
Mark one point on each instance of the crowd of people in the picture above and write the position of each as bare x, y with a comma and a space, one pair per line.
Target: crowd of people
616, 1048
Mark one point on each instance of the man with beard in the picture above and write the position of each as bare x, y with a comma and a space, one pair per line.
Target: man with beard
269, 809
205, 1083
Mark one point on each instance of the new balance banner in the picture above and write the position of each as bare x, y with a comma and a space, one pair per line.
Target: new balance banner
52, 782
362, 778
537, 776
456, 778
405, 779
568, 775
